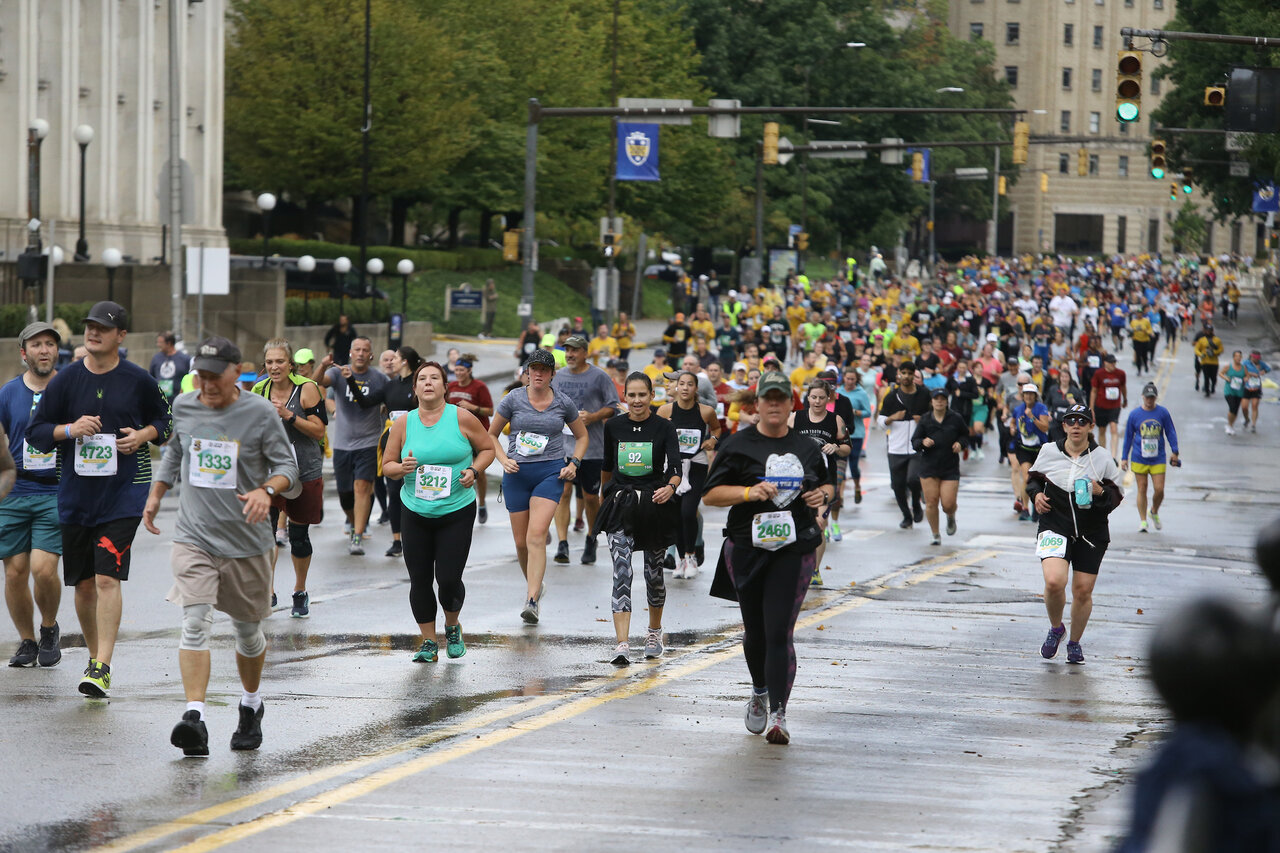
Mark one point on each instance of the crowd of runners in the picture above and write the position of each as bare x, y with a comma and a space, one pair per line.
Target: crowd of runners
764, 402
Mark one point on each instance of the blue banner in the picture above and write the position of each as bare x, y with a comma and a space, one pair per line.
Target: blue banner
1266, 198
926, 152
637, 152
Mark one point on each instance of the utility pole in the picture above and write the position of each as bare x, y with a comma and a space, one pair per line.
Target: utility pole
610, 261
993, 240
760, 249
364, 144
177, 9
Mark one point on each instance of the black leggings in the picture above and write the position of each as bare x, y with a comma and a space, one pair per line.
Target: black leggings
687, 532
770, 604
1210, 372
394, 506
435, 550
380, 491
904, 475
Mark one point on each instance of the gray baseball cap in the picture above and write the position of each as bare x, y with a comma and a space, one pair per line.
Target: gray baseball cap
37, 328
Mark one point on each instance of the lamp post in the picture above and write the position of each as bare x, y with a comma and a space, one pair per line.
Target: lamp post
84, 135
374, 268
306, 264
111, 259
36, 132
342, 266
266, 203
405, 268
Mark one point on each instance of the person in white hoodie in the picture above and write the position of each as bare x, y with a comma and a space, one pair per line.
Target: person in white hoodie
1074, 484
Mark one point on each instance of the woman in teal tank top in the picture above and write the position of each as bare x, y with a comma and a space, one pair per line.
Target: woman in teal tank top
439, 451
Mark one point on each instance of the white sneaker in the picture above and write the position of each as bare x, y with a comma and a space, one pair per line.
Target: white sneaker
980, 454
1155, 519
621, 654
1142, 527
1229, 430
691, 567
681, 562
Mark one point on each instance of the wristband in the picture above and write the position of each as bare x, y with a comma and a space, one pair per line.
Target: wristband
474, 472
746, 494
67, 430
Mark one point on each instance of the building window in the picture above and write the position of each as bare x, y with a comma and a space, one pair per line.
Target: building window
1011, 33
1128, 4
1159, 4
1095, 81
1099, 2
1155, 85
1095, 122
975, 31
1064, 163
1122, 225
1068, 34
1066, 78
1064, 124
1011, 76
1093, 164
1122, 166
1097, 36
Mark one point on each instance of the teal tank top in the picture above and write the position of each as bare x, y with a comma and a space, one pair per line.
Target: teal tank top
443, 453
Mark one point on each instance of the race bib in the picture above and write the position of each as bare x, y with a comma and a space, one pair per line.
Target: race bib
1113, 393
1235, 382
635, 458
659, 393
1150, 448
96, 455
397, 415
213, 463
689, 440
34, 460
1252, 382
432, 482
1094, 361
530, 443
772, 530
1050, 544
720, 410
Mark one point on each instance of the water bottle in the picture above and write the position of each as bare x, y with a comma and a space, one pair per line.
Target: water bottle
1084, 495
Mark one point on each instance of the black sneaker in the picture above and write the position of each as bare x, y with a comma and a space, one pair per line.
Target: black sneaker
589, 551
50, 654
28, 651
301, 605
384, 518
918, 514
248, 735
274, 600
905, 524
482, 514
396, 549
700, 554
191, 735
562, 552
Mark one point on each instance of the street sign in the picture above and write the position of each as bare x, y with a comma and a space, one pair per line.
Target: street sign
1238, 141
841, 150
793, 230
524, 309
724, 126
462, 299
974, 173
659, 103
891, 156
784, 157
1239, 168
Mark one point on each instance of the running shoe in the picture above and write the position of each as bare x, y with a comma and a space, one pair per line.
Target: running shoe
384, 518
482, 514
951, 525
691, 567
681, 562
191, 736
97, 681
348, 528
834, 527
301, 605
453, 645
653, 647
428, 652
49, 654
273, 599
248, 735
1229, 430
396, 549
578, 525
669, 562
356, 548
1017, 506
937, 539
918, 514
1246, 418
905, 524
816, 580
589, 551
981, 455
1050, 646
1075, 654
1142, 527
562, 552
530, 612
1155, 519
857, 494
1253, 428
699, 555
282, 537
27, 654
1024, 516
621, 654
757, 711
777, 731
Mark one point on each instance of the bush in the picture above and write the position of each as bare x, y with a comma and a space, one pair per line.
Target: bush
323, 311
423, 259
14, 318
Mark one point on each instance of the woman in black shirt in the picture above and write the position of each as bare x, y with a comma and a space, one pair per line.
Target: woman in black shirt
640, 473
398, 397
939, 439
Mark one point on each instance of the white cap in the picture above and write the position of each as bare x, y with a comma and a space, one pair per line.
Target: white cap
992, 337
733, 293
1032, 388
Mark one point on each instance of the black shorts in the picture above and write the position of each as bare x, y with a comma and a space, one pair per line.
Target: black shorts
1106, 416
352, 465
103, 549
1082, 556
1255, 394
1026, 455
1233, 403
587, 476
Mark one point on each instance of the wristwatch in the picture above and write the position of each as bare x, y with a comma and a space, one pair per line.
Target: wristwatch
293, 418
577, 463
269, 489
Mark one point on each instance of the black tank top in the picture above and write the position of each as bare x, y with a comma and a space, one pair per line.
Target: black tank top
822, 432
687, 422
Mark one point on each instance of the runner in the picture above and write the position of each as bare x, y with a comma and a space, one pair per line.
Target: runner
299, 404
1108, 395
1208, 349
100, 413
1255, 369
1029, 423
533, 485
399, 399
30, 541
774, 481
357, 428
903, 405
1075, 484
860, 405
939, 439
830, 433
638, 513
1233, 389
169, 365
1146, 431
234, 457
623, 333
438, 450
471, 395
697, 431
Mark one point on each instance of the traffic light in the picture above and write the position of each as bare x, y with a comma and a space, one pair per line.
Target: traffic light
802, 241
1186, 180
1003, 186
1128, 85
511, 244
917, 167
1082, 162
1215, 96
769, 155
1021, 139
610, 244
1157, 158
1044, 182
1173, 192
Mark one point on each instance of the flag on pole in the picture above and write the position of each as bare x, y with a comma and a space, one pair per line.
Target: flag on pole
1266, 199
637, 152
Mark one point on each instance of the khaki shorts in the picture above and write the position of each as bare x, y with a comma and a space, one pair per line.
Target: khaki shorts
238, 586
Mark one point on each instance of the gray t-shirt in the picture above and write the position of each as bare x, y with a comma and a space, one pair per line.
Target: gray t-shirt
234, 450
537, 436
591, 390
354, 427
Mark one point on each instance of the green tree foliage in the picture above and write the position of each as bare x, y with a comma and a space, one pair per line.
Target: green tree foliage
1189, 228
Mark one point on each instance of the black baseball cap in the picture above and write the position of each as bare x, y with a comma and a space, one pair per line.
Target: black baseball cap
215, 355
1150, 390
940, 391
109, 314
543, 358
1077, 412
1111, 357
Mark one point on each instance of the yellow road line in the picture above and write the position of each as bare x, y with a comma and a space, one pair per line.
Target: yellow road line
693, 661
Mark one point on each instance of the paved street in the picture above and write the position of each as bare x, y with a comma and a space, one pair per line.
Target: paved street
923, 716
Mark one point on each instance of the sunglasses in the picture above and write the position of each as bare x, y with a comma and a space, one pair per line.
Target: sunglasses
1075, 422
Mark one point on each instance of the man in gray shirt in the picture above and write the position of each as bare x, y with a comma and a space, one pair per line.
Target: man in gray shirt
596, 397
357, 426
232, 452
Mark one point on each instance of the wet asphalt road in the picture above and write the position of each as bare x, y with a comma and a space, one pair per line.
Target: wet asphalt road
922, 717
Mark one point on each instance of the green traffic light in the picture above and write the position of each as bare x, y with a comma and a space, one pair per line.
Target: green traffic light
1127, 111
1157, 172
1186, 188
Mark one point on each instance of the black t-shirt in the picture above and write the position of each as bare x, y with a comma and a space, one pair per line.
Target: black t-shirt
915, 403
794, 462
633, 447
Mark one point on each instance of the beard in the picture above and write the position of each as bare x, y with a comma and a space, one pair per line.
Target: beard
34, 367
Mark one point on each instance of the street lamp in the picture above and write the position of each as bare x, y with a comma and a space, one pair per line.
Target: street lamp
405, 268
373, 267
949, 89
36, 132
83, 135
306, 264
111, 259
266, 203
342, 266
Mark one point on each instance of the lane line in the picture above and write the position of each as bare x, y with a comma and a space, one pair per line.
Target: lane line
572, 705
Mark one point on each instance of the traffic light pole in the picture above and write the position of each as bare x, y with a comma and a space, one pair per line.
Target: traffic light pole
993, 242
760, 248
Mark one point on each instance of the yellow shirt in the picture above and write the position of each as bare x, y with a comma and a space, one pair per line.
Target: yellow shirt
796, 314
905, 344
703, 328
654, 372
1140, 328
622, 337
802, 376
598, 347
1208, 349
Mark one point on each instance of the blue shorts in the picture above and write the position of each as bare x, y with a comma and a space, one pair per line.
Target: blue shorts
29, 522
533, 480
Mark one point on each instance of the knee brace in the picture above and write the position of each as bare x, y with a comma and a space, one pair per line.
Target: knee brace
347, 500
299, 541
197, 625
250, 640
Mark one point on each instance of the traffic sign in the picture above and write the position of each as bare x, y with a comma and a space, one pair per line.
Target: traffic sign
659, 103
975, 173
842, 150
784, 157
